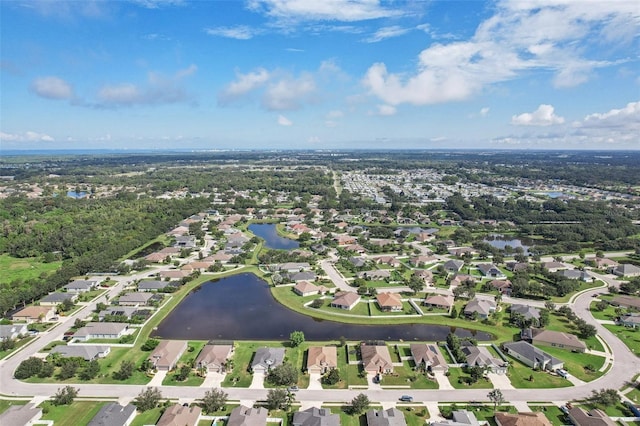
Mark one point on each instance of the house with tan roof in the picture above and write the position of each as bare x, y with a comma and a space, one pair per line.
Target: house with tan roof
305, 288
594, 417
503, 286
246, 416
626, 301
558, 339
418, 261
174, 274
345, 239
376, 359
179, 415
439, 301
428, 356
387, 260
166, 355
345, 300
321, 359
34, 314
522, 419
390, 302
214, 357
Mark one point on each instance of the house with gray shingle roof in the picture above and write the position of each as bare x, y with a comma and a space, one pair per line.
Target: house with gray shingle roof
57, 298
626, 270
389, 417
12, 331
528, 312
532, 356
315, 417
114, 414
479, 356
81, 286
86, 352
267, 358
26, 414
246, 416
481, 307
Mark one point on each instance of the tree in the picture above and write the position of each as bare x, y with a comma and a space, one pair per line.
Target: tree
150, 345
126, 370
283, 375
605, 397
359, 404
213, 400
496, 397
27, 368
296, 338
586, 330
277, 399
90, 371
332, 377
65, 395
148, 399
69, 369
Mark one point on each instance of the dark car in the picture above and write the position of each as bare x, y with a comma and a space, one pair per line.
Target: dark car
406, 398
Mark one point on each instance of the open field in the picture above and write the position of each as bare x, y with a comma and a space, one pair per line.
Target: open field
24, 269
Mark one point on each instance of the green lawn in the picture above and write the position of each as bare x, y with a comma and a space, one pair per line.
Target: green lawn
150, 417
407, 309
406, 376
553, 413
618, 410
20, 343
24, 269
79, 413
575, 362
519, 374
240, 376
6, 403
608, 314
456, 379
629, 336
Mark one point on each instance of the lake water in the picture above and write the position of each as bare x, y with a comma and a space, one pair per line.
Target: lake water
501, 241
74, 194
241, 307
268, 232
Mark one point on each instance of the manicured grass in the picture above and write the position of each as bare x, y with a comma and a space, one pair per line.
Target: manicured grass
553, 413
618, 410
583, 286
519, 375
150, 417
20, 343
629, 336
24, 269
407, 309
406, 376
79, 413
456, 379
6, 403
240, 376
608, 314
634, 395
575, 362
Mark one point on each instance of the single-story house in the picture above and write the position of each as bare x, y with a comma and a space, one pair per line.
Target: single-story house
428, 356
214, 357
630, 320
178, 414
459, 418
86, 352
602, 263
303, 276
387, 260
389, 302
424, 274
155, 285
246, 416
479, 356
120, 311
345, 300
26, 415
594, 417
461, 279
185, 241
576, 274
114, 414
376, 359
137, 298
375, 274
480, 307
174, 274
516, 266
344, 239
267, 358
527, 312
357, 248
532, 356
34, 314
521, 419
321, 359
305, 288
156, 257
503, 286
81, 286
292, 267
389, 417
418, 261
626, 301
461, 251
453, 265
12, 331
166, 355
557, 339
490, 270
554, 266
626, 270
55, 299
101, 330
358, 262
315, 417
439, 301
201, 266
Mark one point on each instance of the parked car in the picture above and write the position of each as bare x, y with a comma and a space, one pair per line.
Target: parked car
406, 398
293, 389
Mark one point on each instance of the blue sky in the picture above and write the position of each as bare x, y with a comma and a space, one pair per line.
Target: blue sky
312, 74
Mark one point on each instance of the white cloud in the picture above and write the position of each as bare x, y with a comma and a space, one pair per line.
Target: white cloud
52, 88
288, 93
243, 84
484, 112
521, 36
543, 116
239, 32
386, 110
28, 136
156, 4
284, 121
387, 32
627, 116
336, 113
325, 10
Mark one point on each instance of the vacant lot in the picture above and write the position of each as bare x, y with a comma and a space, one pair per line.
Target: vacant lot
23, 269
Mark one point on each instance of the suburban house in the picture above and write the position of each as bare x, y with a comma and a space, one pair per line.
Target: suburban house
27, 415
480, 307
521, 419
358, 262
594, 417
628, 320
503, 286
101, 330
554, 266
321, 359
136, 299
305, 288
34, 314
166, 355
602, 263
459, 418
576, 274
291, 267
214, 357
626, 270
532, 356
388, 417
344, 239
303, 276
154, 285
429, 356
387, 260
57, 298
490, 270
86, 352
461, 279
516, 266
245, 416
556, 339
120, 311
461, 251
345, 300
439, 301
185, 241
80, 286
376, 359
424, 274
389, 302
315, 417
12, 331
418, 261
174, 274
526, 311
626, 302
453, 265
375, 274
114, 414
266, 358
479, 356
178, 414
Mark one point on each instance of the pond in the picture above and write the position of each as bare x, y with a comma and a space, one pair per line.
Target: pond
501, 241
74, 194
241, 307
268, 232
